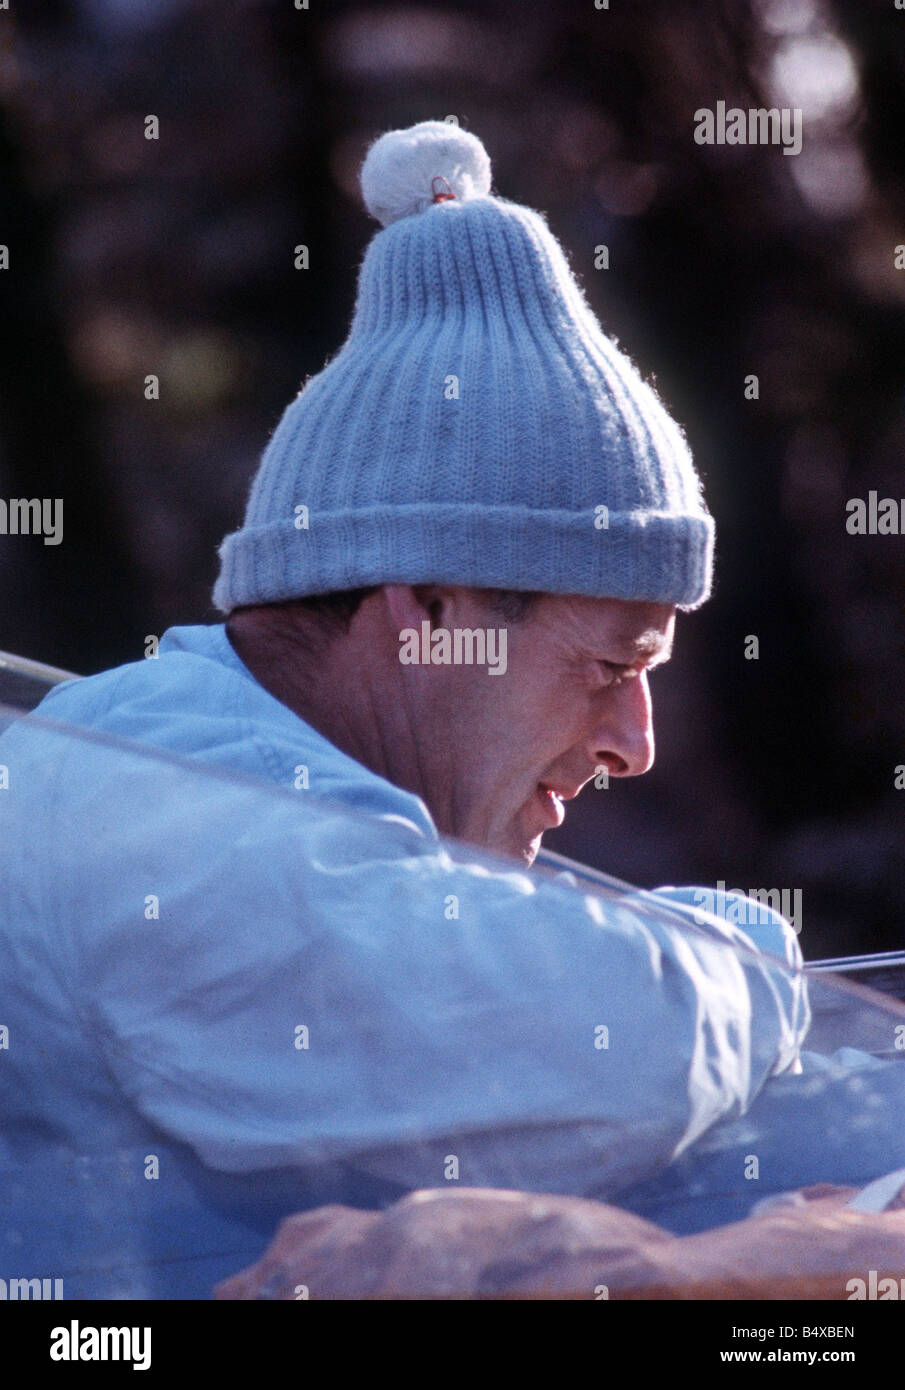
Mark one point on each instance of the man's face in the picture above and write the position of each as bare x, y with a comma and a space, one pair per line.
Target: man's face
574, 699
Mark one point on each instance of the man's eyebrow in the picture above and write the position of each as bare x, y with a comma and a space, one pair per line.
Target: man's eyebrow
651, 648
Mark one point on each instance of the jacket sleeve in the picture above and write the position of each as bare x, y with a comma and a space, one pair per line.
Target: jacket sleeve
275, 986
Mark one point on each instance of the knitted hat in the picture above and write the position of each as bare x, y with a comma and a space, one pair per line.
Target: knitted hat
477, 427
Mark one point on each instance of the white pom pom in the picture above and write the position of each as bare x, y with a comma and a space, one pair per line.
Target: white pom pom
406, 169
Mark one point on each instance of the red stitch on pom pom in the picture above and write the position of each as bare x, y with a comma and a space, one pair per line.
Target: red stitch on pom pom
441, 197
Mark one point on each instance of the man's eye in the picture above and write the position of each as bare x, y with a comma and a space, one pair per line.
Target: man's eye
614, 673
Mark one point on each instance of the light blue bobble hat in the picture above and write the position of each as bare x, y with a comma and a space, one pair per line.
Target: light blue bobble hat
477, 427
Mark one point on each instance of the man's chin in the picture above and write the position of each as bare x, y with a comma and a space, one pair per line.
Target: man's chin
515, 847
514, 842
525, 845
529, 854
526, 850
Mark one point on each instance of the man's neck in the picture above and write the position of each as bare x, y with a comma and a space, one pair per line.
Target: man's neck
333, 686
298, 677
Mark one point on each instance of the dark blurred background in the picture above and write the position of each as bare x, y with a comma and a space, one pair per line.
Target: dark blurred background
176, 257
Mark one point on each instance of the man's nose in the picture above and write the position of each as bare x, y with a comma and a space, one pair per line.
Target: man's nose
623, 737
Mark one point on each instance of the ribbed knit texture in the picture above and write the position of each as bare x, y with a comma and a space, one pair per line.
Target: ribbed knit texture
499, 487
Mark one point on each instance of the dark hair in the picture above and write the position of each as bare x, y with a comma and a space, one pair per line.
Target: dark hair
329, 615
513, 604
337, 610
334, 612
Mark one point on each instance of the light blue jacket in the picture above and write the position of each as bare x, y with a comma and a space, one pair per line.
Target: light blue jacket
231, 996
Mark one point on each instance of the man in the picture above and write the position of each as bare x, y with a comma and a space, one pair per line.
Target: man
492, 759
243, 974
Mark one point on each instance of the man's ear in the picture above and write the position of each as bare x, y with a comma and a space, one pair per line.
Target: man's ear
410, 604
